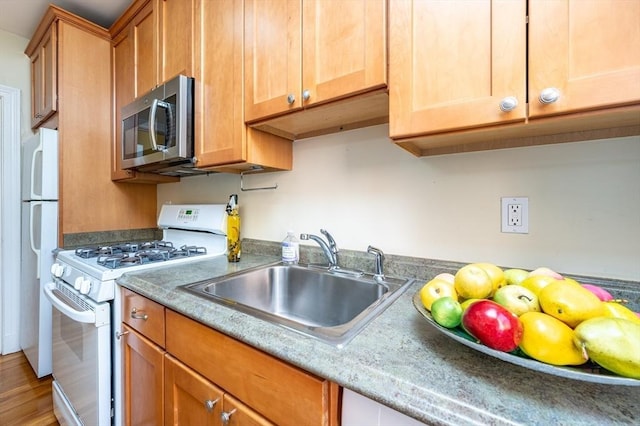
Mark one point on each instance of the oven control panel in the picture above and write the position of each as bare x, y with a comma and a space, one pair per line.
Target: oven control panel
97, 290
194, 217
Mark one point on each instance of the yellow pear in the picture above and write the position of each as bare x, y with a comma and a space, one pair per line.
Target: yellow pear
614, 343
570, 303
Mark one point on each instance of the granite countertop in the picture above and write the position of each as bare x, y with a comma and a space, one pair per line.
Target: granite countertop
401, 361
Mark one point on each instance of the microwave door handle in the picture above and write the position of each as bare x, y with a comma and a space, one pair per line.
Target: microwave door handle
170, 135
152, 124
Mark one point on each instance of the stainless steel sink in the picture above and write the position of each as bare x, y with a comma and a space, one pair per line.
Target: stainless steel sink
332, 306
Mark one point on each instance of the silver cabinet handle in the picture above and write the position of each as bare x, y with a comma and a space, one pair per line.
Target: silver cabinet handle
119, 334
306, 94
291, 98
225, 417
549, 95
136, 315
508, 104
209, 405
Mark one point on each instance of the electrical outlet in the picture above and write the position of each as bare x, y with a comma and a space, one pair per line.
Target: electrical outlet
515, 215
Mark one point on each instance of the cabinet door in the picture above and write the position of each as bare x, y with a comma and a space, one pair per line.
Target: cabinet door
343, 48
588, 49
143, 380
176, 29
451, 63
145, 49
219, 124
190, 399
273, 66
124, 92
235, 413
44, 90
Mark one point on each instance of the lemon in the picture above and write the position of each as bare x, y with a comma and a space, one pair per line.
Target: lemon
447, 312
473, 282
616, 310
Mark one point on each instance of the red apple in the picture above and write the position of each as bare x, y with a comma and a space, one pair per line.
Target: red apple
493, 325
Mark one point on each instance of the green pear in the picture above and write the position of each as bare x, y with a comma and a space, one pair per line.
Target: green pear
613, 343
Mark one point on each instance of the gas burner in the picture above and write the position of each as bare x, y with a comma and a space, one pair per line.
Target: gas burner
154, 255
87, 252
112, 261
187, 251
156, 245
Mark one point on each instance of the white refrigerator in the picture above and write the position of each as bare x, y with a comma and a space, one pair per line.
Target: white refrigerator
39, 239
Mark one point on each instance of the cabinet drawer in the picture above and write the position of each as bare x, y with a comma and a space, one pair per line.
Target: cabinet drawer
278, 391
143, 315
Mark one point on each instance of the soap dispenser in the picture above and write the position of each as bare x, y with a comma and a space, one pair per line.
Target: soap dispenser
233, 230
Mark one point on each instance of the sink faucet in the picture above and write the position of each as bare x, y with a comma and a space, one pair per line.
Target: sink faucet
379, 261
329, 249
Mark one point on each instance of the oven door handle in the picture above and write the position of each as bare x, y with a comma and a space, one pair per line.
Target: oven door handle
66, 307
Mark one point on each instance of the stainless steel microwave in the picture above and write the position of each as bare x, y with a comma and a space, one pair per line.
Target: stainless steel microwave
157, 128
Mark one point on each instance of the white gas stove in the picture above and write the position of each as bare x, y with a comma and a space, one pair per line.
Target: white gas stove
86, 314
190, 232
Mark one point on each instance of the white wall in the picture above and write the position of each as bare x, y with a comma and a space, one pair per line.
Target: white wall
584, 201
15, 72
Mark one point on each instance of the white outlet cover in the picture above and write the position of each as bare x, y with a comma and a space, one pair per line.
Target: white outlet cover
524, 226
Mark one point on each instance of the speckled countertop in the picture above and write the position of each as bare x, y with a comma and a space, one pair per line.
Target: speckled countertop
403, 362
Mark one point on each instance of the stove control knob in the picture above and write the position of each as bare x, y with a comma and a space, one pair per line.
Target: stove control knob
57, 270
78, 283
85, 287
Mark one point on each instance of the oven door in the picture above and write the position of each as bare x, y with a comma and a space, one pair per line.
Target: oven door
81, 356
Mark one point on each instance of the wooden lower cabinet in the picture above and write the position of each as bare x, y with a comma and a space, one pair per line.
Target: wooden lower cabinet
143, 364
180, 372
190, 399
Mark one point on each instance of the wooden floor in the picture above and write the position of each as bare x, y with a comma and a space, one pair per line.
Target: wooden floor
24, 399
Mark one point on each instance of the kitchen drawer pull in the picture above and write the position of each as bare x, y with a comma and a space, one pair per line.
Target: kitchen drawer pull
136, 315
119, 334
210, 405
225, 417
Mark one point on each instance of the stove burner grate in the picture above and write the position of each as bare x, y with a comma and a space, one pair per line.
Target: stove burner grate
157, 251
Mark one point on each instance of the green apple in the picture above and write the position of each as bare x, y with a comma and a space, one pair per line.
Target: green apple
447, 312
517, 299
515, 276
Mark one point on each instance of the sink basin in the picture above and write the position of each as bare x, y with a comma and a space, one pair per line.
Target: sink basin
330, 305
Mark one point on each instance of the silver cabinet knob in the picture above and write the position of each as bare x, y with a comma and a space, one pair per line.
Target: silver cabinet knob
291, 98
509, 103
209, 405
306, 94
549, 95
225, 417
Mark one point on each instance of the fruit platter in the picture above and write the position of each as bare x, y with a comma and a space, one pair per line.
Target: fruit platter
538, 320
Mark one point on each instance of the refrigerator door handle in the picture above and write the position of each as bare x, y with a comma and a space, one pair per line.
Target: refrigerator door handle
32, 206
36, 152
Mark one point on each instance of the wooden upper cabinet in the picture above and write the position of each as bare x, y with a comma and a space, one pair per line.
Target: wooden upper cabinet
145, 49
343, 48
588, 50
273, 57
222, 140
44, 84
453, 63
176, 37
306, 54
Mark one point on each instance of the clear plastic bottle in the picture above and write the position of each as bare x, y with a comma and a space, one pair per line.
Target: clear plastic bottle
290, 249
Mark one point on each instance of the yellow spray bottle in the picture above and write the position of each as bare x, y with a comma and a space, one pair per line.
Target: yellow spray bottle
233, 230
